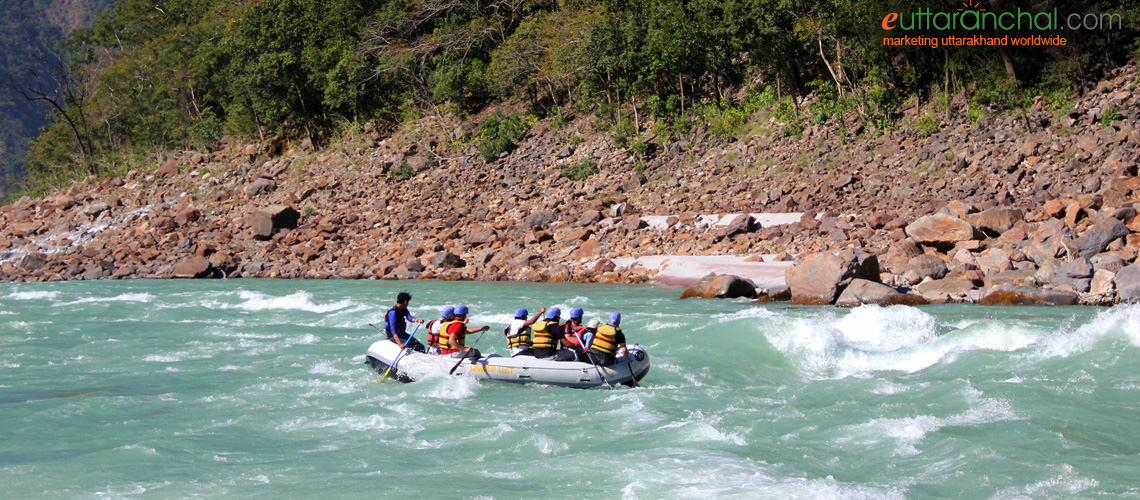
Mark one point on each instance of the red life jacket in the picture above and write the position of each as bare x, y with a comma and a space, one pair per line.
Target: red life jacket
575, 332
432, 338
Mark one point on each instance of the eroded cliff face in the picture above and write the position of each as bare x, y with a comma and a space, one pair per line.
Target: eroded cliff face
1025, 187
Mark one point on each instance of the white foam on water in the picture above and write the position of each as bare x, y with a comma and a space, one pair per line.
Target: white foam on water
324, 448
260, 478
888, 388
145, 449
661, 325
907, 432
171, 369
578, 300
885, 329
543, 443
1121, 321
171, 357
33, 295
451, 387
1065, 484
698, 428
305, 339
703, 475
126, 297
7, 313
500, 475
326, 368
752, 312
229, 368
870, 339
298, 301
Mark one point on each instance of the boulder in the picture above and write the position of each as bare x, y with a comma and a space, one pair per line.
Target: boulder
447, 260
1016, 277
1102, 283
94, 209
1096, 238
945, 290
538, 219
1108, 262
764, 296
742, 223
194, 267
861, 291
1128, 283
993, 261
258, 186
899, 255
1013, 295
589, 217
604, 265
633, 223
995, 221
819, 278
1048, 240
940, 230
720, 286
1075, 273
31, 263
269, 220
923, 266
187, 216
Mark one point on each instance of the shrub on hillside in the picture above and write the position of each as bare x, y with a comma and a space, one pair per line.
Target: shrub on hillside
499, 133
579, 170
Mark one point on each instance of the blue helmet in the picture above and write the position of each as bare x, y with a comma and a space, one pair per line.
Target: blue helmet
576, 313
447, 312
553, 313
520, 313
460, 310
615, 317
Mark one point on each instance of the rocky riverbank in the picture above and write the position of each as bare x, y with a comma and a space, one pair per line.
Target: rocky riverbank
1039, 201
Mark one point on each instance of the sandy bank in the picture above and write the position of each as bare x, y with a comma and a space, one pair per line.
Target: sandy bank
684, 270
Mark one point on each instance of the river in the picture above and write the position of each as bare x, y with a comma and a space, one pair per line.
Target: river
258, 389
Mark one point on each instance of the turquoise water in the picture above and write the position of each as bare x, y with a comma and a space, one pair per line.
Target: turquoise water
257, 389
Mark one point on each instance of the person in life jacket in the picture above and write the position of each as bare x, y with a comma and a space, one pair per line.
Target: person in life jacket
606, 342
591, 329
546, 335
519, 333
572, 332
396, 324
433, 328
453, 335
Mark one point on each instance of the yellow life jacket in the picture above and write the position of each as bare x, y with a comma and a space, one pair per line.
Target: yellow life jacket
605, 340
520, 338
543, 338
445, 334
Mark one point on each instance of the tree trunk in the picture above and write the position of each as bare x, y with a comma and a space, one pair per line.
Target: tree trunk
834, 77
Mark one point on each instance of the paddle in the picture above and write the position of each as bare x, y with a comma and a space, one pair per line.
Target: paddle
591, 360
485, 328
632, 377
398, 356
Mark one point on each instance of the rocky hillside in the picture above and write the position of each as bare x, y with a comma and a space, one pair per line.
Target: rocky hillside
420, 202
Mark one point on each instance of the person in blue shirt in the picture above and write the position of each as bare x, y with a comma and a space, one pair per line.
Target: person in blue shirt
396, 324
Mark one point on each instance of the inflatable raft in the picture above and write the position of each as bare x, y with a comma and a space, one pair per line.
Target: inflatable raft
522, 369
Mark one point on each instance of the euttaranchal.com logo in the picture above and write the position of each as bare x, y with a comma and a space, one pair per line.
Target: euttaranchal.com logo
971, 24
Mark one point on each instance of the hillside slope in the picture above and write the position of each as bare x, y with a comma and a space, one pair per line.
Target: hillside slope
229, 211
